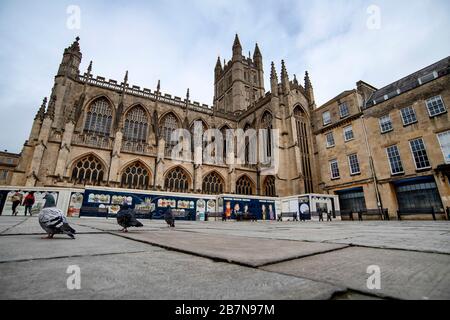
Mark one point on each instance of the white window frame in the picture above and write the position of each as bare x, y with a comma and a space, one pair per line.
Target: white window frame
347, 108
326, 140
353, 133
331, 169
381, 126
403, 119
350, 164
446, 160
323, 118
389, 160
426, 153
428, 108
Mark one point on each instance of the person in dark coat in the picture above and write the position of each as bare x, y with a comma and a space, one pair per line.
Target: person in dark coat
168, 216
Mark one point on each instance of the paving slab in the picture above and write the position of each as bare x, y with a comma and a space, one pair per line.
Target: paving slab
112, 225
31, 247
31, 226
404, 274
243, 250
153, 275
9, 222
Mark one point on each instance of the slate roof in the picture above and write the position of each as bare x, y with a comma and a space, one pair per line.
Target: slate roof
414, 80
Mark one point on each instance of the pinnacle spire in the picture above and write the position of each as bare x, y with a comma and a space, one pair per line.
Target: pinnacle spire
307, 81
283, 70
218, 64
158, 87
89, 69
75, 45
187, 95
51, 108
41, 112
125, 80
257, 52
273, 72
237, 42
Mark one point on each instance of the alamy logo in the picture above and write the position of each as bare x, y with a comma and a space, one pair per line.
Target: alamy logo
374, 20
232, 147
374, 280
74, 280
74, 19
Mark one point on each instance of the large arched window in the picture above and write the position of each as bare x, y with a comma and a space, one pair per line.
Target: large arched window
244, 186
135, 176
269, 186
136, 125
88, 170
168, 124
177, 180
213, 183
99, 117
302, 124
266, 123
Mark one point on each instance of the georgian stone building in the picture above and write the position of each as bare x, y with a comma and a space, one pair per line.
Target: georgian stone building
8, 161
389, 147
94, 131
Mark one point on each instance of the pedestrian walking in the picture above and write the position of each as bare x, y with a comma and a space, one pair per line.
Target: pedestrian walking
28, 203
16, 201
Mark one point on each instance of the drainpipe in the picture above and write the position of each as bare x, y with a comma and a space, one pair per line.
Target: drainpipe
372, 168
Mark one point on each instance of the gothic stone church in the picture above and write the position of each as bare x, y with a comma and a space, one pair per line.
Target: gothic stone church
94, 131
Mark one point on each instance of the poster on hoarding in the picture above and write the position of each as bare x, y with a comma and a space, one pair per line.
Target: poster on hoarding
99, 198
259, 208
15, 200
76, 201
211, 206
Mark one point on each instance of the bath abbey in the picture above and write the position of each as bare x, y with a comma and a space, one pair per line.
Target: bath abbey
374, 148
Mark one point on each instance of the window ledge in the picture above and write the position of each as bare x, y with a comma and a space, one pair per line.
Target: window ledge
398, 174
423, 169
409, 124
384, 132
439, 114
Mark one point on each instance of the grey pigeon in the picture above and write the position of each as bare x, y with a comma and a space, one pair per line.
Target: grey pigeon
52, 219
126, 218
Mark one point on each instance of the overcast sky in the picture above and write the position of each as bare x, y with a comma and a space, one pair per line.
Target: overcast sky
177, 41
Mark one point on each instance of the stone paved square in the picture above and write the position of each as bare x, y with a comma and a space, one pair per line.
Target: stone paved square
232, 260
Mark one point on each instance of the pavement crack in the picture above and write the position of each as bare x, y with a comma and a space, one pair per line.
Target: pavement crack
72, 256
12, 227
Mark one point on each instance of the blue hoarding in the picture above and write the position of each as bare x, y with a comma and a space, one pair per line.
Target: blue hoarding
100, 203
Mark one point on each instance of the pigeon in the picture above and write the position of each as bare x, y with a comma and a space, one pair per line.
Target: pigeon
126, 219
52, 219
168, 216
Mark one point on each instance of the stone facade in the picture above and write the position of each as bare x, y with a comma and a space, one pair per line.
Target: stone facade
109, 133
8, 161
94, 131
401, 139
